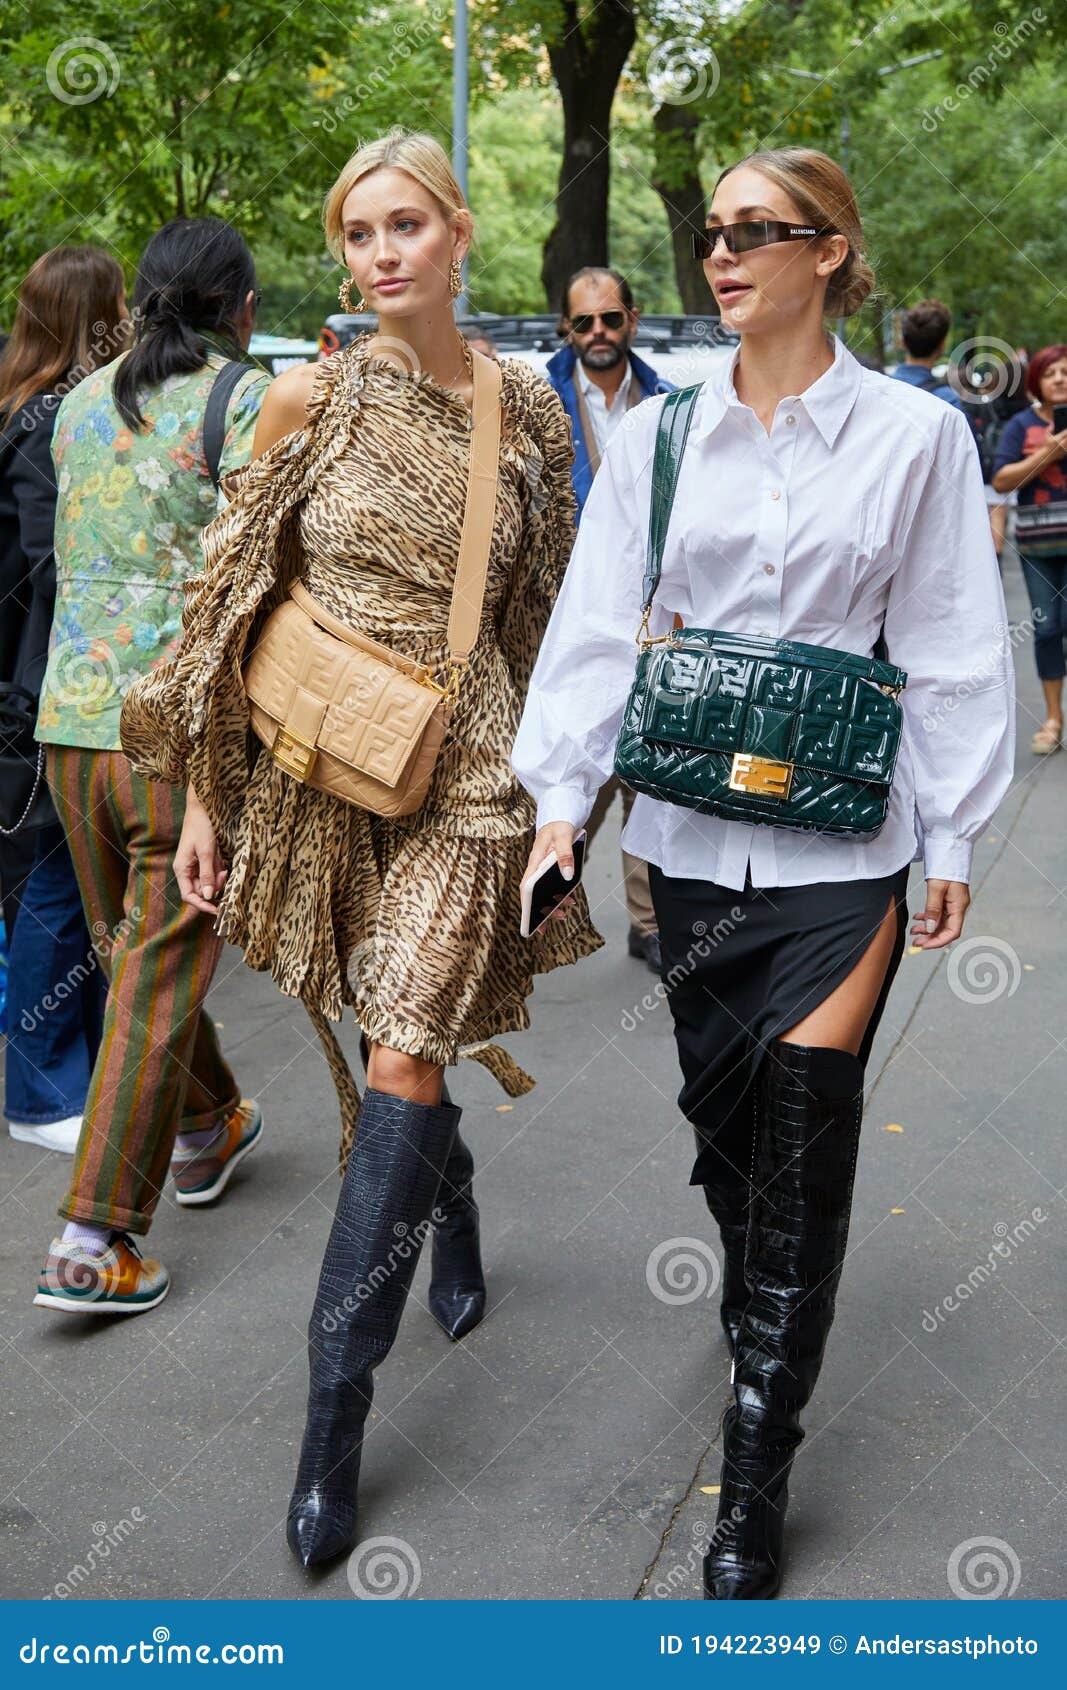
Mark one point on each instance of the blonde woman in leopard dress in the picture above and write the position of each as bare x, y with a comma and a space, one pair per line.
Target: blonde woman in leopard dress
357, 488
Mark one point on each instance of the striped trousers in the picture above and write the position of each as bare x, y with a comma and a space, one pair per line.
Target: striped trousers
159, 1068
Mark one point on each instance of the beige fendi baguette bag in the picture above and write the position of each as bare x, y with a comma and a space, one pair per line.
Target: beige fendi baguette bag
346, 714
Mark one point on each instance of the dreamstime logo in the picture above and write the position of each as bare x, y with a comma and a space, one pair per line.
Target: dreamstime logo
994, 360
680, 71
384, 1569
103, 940
682, 1270
983, 1569
702, 946
1008, 1239
105, 1539
84, 679
680, 1575
1009, 37
407, 1242
408, 37
983, 969
989, 671
82, 69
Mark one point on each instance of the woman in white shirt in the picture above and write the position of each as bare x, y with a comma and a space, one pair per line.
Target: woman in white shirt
821, 502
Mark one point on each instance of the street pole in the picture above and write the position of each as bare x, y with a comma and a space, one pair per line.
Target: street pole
459, 124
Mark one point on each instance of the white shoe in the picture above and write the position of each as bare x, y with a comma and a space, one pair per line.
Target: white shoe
52, 1135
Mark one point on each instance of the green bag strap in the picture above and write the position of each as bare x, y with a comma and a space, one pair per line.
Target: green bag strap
676, 414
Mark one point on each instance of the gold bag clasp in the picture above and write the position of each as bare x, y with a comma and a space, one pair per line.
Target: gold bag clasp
749, 773
293, 755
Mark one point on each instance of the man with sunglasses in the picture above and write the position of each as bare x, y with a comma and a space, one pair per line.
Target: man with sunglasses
599, 378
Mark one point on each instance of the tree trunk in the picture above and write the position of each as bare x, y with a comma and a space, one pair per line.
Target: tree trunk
676, 179
587, 61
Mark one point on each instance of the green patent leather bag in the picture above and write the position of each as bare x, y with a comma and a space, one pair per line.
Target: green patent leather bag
753, 729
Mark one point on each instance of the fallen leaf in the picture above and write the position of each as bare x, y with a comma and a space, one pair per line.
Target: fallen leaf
710, 1490
1029, 966
892, 1127
504, 1108
896, 1211
913, 950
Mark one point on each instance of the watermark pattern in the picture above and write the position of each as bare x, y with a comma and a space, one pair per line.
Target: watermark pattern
1008, 1240
983, 969
680, 1575
989, 671
408, 1242
82, 70
384, 1569
983, 1569
1009, 37
701, 948
105, 1539
680, 71
682, 1270
102, 941
409, 36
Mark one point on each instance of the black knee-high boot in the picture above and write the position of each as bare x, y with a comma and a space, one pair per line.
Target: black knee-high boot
809, 1109
728, 1202
457, 1283
383, 1214
456, 1295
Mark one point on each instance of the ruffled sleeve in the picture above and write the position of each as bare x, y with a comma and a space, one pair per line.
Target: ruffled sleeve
186, 721
542, 433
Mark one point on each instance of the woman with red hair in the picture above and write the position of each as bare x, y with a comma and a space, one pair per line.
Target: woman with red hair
1030, 461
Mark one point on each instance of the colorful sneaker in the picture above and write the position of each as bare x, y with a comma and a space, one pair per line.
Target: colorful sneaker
202, 1175
120, 1281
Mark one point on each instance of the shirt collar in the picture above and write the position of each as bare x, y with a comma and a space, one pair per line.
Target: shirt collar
827, 401
588, 384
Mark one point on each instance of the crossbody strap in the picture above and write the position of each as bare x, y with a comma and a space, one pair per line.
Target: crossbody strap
676, 414
214, 425
472, 567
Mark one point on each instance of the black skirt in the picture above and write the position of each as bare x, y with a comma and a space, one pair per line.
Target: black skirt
741, 968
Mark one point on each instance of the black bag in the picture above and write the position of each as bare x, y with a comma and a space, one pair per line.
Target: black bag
214, 425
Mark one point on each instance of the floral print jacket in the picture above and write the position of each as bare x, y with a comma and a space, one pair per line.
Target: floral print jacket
130, 511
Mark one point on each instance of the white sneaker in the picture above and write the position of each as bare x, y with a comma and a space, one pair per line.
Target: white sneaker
52, 1135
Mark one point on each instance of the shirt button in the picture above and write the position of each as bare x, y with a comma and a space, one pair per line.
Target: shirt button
790, 418
775, 493
768, 569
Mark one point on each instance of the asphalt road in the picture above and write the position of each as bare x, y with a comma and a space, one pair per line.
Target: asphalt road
565, 1449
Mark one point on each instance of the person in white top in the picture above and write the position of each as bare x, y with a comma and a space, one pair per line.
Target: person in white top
822, 502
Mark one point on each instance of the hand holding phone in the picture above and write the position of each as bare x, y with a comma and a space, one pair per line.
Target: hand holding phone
1059, 418
544, 888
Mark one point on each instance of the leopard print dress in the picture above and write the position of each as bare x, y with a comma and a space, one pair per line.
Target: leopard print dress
412, 921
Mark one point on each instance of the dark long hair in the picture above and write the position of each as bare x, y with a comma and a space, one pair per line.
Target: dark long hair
192, 281
70, 320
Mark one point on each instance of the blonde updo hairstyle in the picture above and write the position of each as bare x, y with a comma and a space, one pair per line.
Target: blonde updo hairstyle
400, 149
823, 195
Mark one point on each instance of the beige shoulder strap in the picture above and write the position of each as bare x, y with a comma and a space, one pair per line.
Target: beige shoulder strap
472, 567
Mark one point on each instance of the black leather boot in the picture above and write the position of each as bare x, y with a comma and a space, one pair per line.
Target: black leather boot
456, 1295
383, 1215
809, 1109
728, 1203
457, 1283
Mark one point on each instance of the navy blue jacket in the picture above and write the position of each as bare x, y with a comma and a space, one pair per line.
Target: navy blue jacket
560, 372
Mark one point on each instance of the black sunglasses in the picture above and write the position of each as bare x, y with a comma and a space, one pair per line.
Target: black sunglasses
746, 237
610, 319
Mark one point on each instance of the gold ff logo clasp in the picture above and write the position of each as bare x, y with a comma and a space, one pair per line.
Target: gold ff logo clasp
749, 773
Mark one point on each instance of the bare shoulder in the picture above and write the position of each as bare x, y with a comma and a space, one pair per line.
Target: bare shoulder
284, 405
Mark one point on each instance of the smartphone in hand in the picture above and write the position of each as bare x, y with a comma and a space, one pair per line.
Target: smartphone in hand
546, 888
1059, 418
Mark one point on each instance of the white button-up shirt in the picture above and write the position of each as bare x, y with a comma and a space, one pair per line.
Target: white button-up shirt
864, 501
605, 418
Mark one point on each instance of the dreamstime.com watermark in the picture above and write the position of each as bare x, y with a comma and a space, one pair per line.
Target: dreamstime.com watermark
682, 1270
105, 1539
409, 1241
384, 1569
988, 672
408, 37
983, 1569
680, 1576
1008, 1240
156, 1651
31, 1019
82, 69
1010, 36
703, 945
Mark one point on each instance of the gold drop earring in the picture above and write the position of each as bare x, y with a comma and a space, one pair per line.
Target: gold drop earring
345, 296
455, 279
